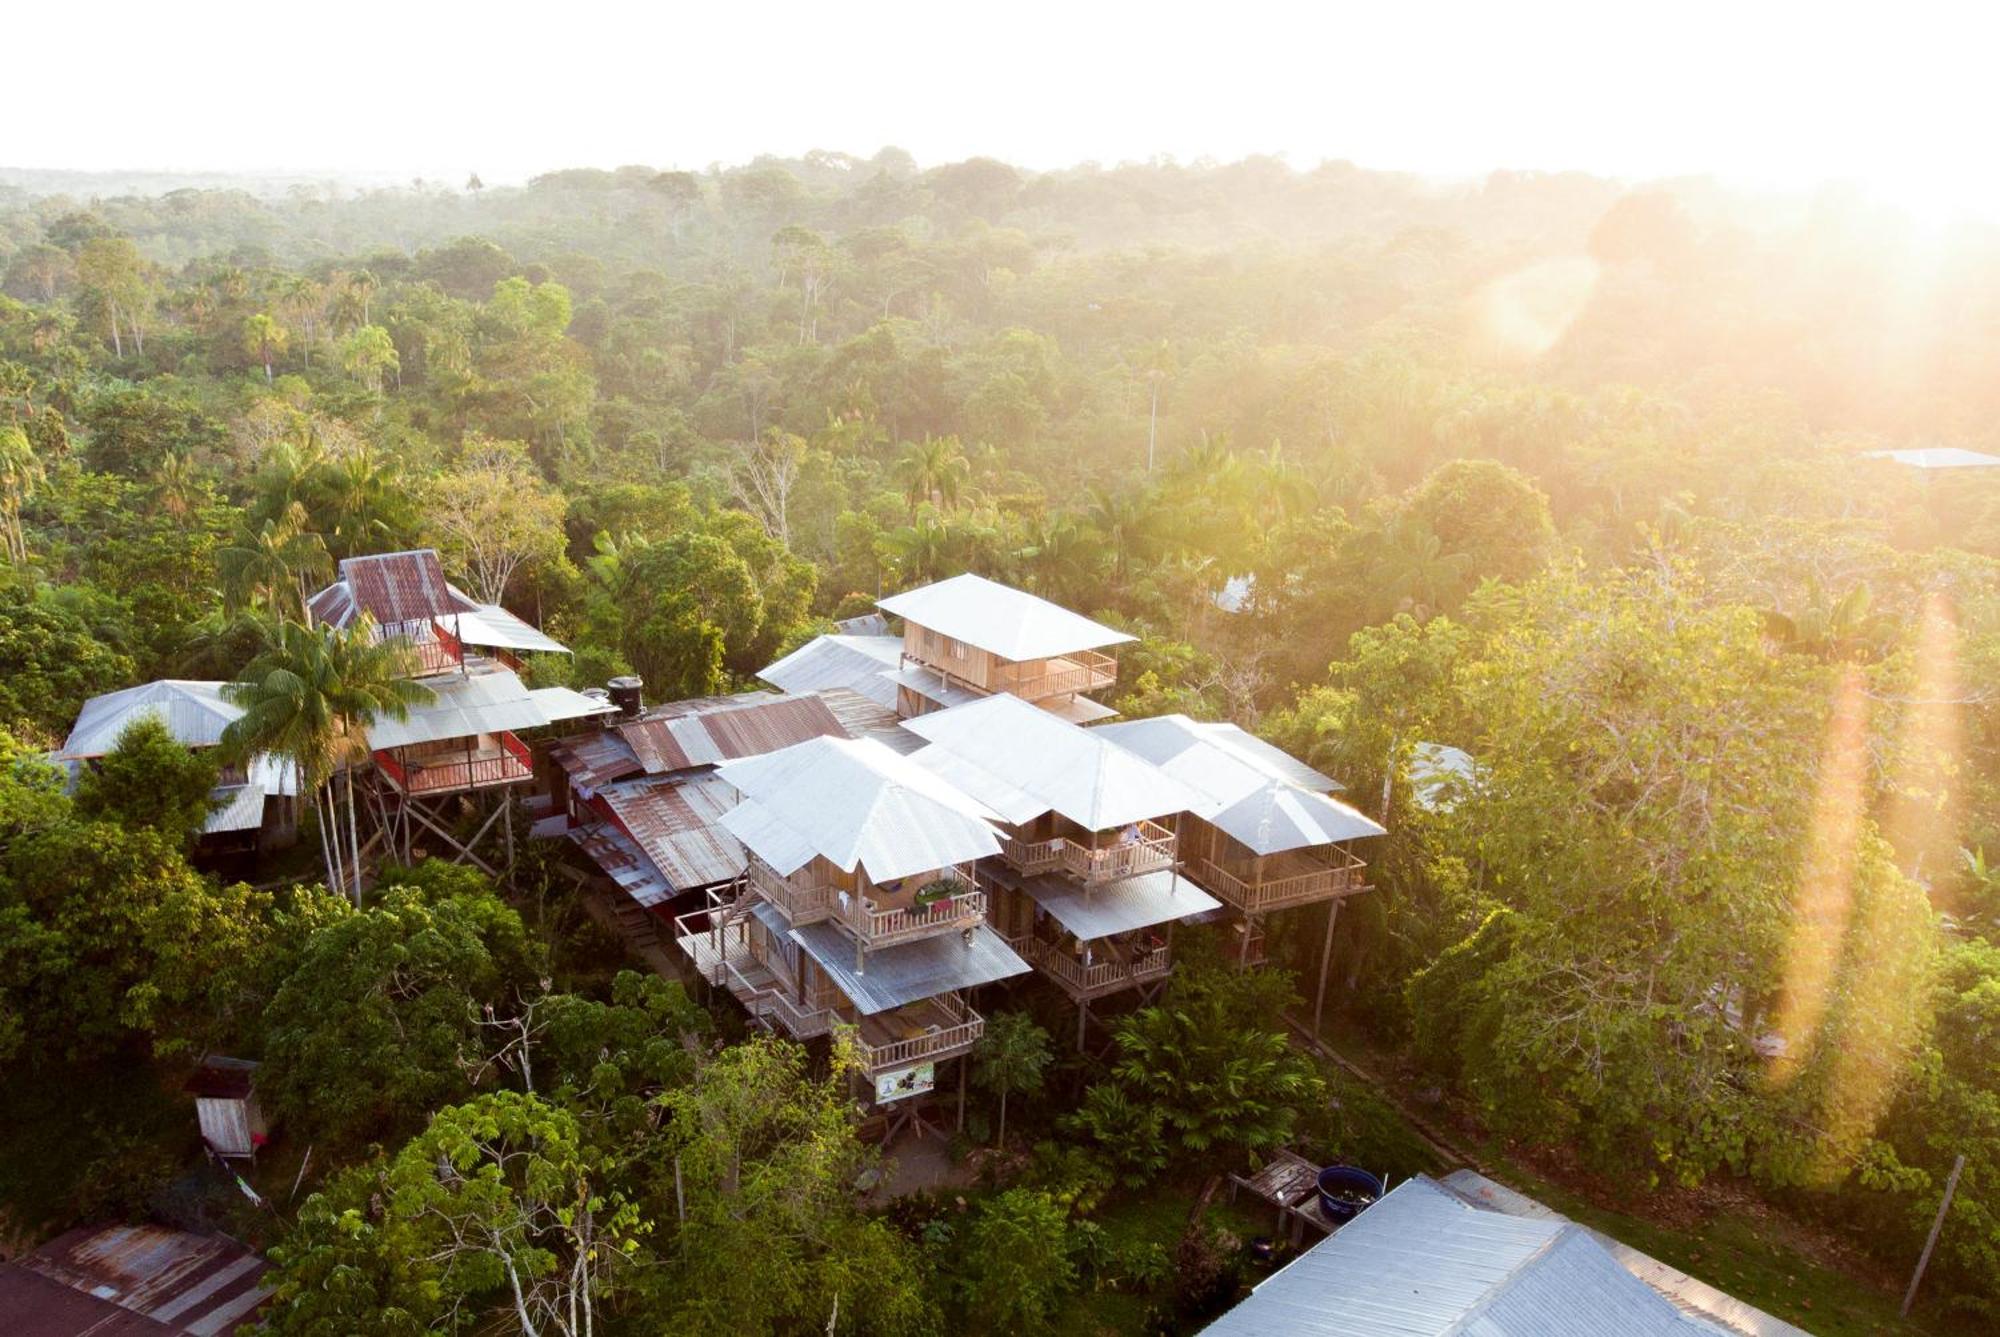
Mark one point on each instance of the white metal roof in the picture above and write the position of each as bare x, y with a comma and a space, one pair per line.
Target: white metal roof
1119, 907
1440, 775
1199, 746
492, 626
853, 802
1938, 457
1022, 761
1077, 709
854, 662
1007, 622
1422, 1261
194, 713
1281, 817
932, 686
480, 703
566, 703
908, 972
238, 808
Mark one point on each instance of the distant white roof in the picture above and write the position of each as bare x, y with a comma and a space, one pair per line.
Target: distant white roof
1022, 761
1007, 622
853, 802
566, 703
1938, 457
1440, 775
1422, 1261
462, 708
193, 712
492, 626
239, 808
854, 662
1119, 907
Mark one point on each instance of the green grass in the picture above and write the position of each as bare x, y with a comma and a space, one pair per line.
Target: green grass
1157, 1215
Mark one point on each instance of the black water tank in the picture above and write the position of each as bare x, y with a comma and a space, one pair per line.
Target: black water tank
625, 695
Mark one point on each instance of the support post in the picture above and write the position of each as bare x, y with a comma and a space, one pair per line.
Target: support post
1082, 1012
964, 1062
1924, 1259
1325, 960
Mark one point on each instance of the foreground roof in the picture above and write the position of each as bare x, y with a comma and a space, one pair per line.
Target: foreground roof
1129, 903
1022, 761
391, 588
910, 971
488, 701
677, 824
137, 1279
854, 662
194, 712
1000, 619
1422, 1261
854, 803
714, 731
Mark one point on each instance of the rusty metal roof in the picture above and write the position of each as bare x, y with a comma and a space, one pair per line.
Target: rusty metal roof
594, 760
182, 1282
677, 825
623, 862
392, 588
863, 718
36, 1306
726, 732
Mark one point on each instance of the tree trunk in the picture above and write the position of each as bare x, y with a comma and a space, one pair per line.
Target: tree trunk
1002, 1144
353, 837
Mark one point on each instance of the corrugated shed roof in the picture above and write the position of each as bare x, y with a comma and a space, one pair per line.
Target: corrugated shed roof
1420, 1261
623, 862
1024, 750
198, 1284
565, 703
594, 760
854, 803
393, 587
492, 626
1440, 775
1007, 622
932, 686
912, 971
38, 1306
854, 662
1119, 907
484, 702
863, 718
239, 808
678, 826
709, 737
193, 711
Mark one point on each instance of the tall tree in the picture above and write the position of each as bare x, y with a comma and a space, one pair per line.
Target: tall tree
1010, 1060
263, 339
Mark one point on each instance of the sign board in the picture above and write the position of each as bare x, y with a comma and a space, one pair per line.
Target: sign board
904, 1082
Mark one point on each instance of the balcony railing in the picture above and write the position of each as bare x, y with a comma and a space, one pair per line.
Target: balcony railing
802, 902
1109, 970
770, 1001
1152, 851
878, 928
507, 764
955, 1030
1281, 880
1036, 680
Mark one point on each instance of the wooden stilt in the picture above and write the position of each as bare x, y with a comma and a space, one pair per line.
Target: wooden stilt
1082, 1013
1325, 960
964, 1063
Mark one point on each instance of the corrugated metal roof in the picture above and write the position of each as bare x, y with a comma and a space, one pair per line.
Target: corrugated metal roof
912, 971
855, 803
492, 626
594, 760
1274, 758
1220, 758
1119, 907
863, 718
853, 662
240, 808
38, 1306
866, 624
932, 686
623, 862
564, 703
1077, 709
1080, 773
194, 712
1007, 622
726, 731
394, 587
197, 1284
1279, 817
1420, 1261
678, 826
483, 702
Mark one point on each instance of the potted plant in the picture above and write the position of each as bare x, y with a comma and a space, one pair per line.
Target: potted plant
941, 890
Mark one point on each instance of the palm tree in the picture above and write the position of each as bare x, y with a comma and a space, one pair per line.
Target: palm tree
1123, 521
21, 473
270, 566
1413, 570
1831, 629
1060, 557
1011, 1057
934, 470
921, 552
263, 339
309, 698
360, 495
176, 483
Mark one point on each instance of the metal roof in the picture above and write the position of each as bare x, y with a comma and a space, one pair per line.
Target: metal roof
909, 972
1278, 761
462, 707
932, 686
1279, 817
854, 803
1421, 1261
677, 824
238, 808
492, 626
38, 1306
1077, 709
1938, 457
863, 718
594, 760
392, 588
1023, 761
997, 618
1219, 757
623, 862
1119, 907
566, 703
193, 712
726, 731
180, 1281
853, 662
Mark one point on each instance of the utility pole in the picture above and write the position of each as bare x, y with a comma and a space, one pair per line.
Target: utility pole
1924, 1259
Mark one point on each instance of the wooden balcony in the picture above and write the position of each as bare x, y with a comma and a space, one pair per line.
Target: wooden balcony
879, 926
1111, 968
923, 1032
505, 760
801, 899
1279, 881
717, 940
1112, 858
1039, 679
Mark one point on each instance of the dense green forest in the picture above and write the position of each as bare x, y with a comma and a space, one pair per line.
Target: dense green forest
1571, 477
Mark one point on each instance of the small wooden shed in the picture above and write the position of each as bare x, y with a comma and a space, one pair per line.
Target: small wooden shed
225, 1101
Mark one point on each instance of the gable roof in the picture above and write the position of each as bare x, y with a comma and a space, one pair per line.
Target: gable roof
677, 825
1022, 761
997, 618
193, 711
854, 803
854, 662
391, 588
726, 730
1421, 1261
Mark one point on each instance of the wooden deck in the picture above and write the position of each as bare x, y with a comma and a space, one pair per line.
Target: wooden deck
1112, 970
928, 1031
507, 761
1280, 881
1111, 859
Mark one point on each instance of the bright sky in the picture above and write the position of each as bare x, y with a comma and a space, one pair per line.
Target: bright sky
1899, 98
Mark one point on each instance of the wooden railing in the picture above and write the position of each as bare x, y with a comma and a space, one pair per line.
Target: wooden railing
1077, 671
964, 1032
1299, 881
802, 902
801, 1023
513, 764
880, 927
1108, 972
1109, 860
715, 941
